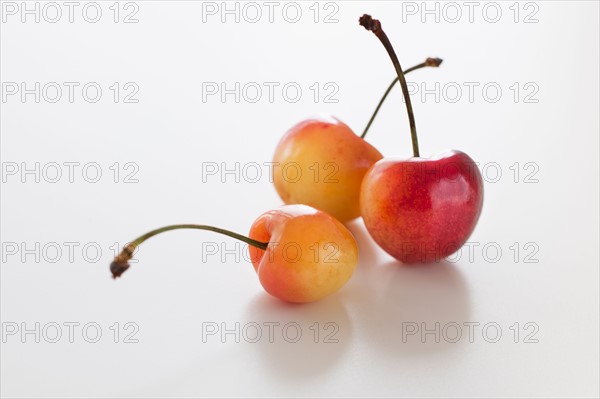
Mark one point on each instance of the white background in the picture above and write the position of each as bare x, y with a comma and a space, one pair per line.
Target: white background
170, 133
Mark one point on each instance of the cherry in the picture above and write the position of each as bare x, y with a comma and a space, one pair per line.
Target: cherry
419, 209
321, 162
299, 253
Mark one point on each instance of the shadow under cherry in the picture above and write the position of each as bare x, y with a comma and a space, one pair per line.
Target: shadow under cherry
410, 309
304, 339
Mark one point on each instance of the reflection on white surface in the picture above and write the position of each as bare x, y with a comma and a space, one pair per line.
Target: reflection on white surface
392, 298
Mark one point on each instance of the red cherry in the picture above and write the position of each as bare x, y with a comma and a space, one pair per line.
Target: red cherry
422, 210
419, 209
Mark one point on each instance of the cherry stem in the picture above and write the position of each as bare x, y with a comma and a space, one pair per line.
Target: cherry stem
374, 26
121, 262
429, 62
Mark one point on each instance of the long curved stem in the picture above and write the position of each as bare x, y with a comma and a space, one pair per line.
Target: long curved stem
429, 62
374, 26
121, 262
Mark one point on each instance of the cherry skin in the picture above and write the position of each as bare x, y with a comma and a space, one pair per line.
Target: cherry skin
419, 209
310, 254
321, 162
299, 253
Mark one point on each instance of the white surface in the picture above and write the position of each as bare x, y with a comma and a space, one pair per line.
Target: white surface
170, 132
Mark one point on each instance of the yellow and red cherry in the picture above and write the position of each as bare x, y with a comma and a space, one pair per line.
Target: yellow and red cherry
300, 254
321, 163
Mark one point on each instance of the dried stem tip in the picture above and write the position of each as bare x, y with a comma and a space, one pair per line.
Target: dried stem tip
121, 262
433, 62
369, 23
